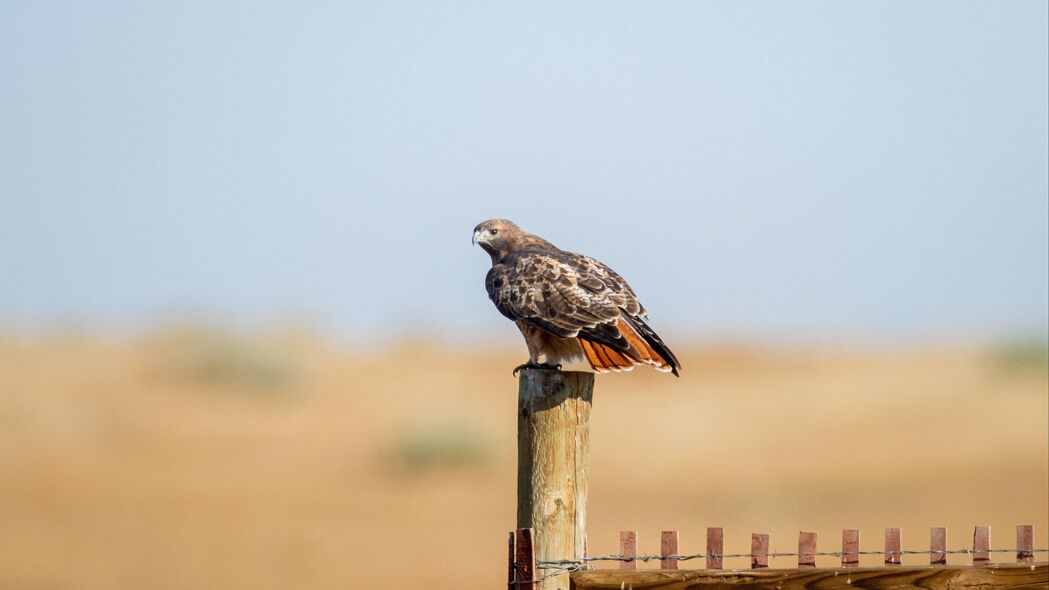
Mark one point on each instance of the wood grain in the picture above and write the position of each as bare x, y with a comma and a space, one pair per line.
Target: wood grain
995, 576
553, 457
668, 543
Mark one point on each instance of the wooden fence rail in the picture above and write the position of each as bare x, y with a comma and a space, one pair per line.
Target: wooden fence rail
525, 571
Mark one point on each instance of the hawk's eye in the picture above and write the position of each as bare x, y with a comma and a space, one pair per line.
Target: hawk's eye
492, 232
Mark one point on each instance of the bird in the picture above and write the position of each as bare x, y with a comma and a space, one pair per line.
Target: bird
575, 313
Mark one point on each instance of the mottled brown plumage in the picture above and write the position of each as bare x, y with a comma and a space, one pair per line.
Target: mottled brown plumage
572, 310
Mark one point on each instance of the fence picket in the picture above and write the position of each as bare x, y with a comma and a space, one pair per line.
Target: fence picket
668, 546
1024, 543
715, 548
850, 548
628, 549
524, 556
510, 561
893, 545
938, 545
806, 549
981, 545
759, 550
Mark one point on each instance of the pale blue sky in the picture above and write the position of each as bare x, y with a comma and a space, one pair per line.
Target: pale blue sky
768, 170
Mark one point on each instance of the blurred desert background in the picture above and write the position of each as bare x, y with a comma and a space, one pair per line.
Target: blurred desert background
189, 457
245, 340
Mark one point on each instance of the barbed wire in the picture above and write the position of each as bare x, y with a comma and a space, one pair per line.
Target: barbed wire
686, 557
557, 571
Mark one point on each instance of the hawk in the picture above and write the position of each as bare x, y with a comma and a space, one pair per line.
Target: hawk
575, 313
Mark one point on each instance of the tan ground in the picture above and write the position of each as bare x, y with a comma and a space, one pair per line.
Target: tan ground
186, 460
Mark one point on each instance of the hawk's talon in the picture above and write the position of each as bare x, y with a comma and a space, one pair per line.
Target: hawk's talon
531, 365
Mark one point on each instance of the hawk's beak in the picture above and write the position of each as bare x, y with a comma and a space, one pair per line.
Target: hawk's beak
476, 238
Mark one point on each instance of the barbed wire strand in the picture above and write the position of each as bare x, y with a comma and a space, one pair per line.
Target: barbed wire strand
686, 557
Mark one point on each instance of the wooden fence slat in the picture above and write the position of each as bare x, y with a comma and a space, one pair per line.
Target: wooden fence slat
1024, 543
668, 546
759, 550
981, 545
806, 549
850, 548
510, 561
715, 548
892, 547
628, 548
525, 558
938, 545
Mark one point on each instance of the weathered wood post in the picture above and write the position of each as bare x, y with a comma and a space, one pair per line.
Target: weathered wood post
553, 463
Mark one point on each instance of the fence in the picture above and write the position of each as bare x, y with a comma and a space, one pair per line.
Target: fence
553, 442
524, 572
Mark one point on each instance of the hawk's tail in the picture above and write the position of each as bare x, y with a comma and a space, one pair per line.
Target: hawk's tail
604, 358
652, 341
645, 347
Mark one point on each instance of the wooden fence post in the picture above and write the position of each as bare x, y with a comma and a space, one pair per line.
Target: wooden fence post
668, 546
806, 549
553, 459
1024, 543
893, 547
524, 556
938, 545
511, 571
628, 548
759, 550
715, 548
981, 545
850, 548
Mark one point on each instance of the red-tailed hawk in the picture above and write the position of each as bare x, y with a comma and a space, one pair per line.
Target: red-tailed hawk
575, 313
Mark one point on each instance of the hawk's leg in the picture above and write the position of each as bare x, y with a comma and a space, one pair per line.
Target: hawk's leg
531, 365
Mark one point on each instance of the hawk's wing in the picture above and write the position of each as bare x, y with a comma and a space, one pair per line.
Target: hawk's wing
566, 294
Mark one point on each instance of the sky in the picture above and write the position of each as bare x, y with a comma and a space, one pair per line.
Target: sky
757, 170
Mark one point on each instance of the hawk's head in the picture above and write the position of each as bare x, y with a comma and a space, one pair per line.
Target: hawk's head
493, 232
501, 237
496, 236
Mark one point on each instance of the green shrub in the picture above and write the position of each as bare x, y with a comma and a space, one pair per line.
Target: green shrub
441, 446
